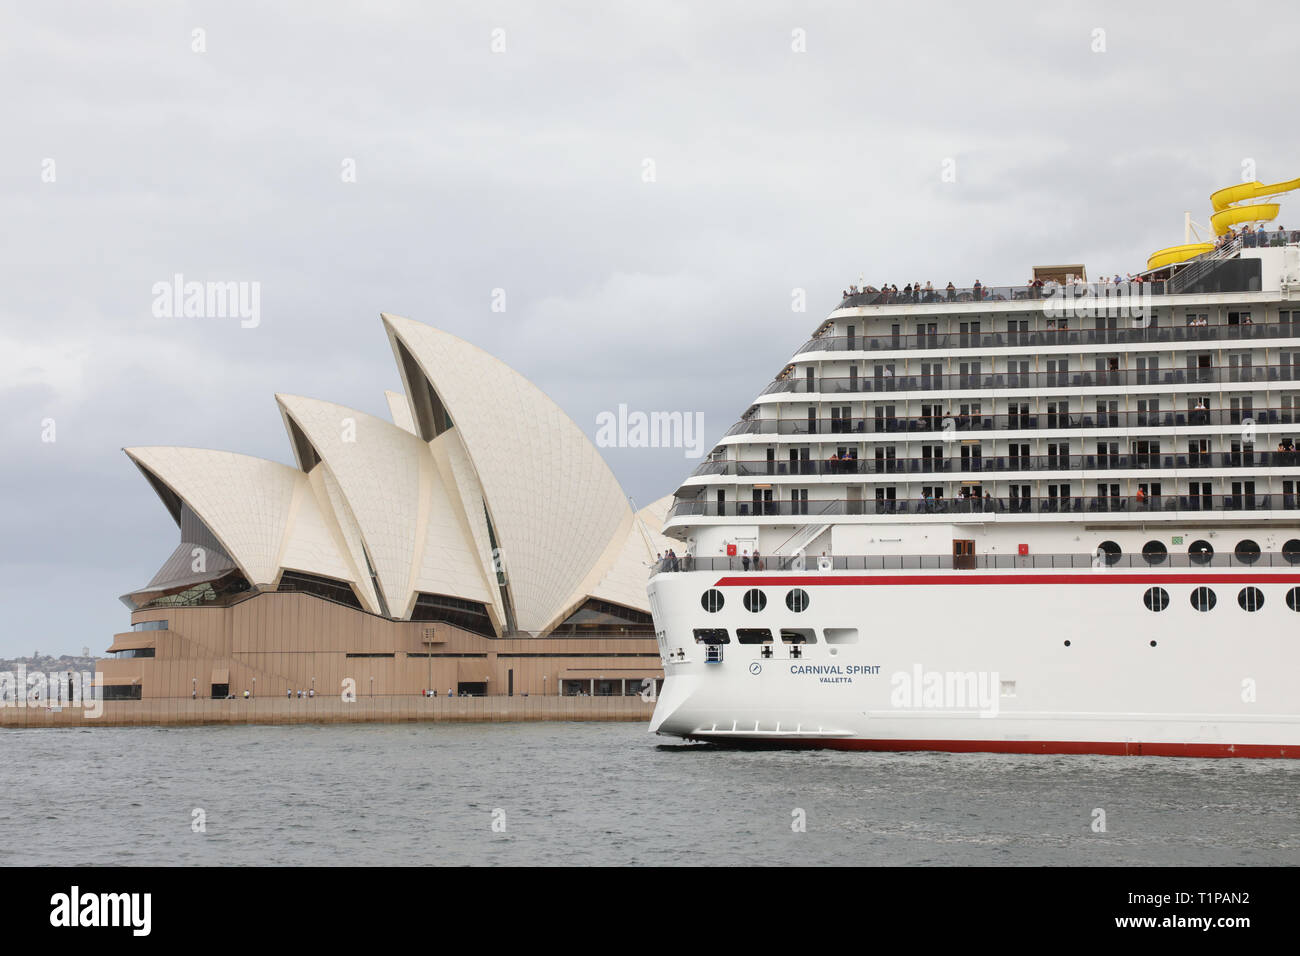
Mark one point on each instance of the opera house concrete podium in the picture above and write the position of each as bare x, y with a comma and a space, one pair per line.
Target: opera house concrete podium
476, 544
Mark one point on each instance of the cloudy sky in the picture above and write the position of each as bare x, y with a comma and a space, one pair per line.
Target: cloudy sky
648, 183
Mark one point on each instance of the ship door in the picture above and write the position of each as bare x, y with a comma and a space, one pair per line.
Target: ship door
963, 554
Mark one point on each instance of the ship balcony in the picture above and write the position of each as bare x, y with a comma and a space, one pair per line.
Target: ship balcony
1148, 335
1183, 507
975, 380
993, 464
1018, 421
1289, 557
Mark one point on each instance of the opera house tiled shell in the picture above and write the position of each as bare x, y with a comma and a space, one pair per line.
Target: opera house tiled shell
480, 505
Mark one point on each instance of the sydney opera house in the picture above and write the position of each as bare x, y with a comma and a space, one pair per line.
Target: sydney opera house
475, 544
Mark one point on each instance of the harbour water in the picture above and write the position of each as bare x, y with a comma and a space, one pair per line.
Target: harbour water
609, 793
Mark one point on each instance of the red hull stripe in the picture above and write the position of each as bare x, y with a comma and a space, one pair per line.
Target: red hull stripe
1094, 577
1109, 748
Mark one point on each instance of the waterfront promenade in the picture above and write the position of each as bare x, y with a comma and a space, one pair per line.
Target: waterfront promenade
174, 712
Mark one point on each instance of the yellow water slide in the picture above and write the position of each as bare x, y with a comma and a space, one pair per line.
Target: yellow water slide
1232, 207
1175, 254
1221, 222
1232, 204
1234, 194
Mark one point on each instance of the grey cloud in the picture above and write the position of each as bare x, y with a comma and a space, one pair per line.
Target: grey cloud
522, 171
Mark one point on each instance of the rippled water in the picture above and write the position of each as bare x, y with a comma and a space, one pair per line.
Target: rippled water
609, 793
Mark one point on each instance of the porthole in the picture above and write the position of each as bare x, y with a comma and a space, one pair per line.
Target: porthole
712, 600
1250, 599
755, 600
797, 600
1291, 551
1247, 551
1203, 599
1154, 552
1293, 599
1156, 599
1110, 552
1200, 552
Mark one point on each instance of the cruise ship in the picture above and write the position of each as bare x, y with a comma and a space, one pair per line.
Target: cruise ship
1058, 517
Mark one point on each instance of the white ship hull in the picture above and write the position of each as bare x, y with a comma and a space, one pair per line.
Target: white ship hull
1002, 660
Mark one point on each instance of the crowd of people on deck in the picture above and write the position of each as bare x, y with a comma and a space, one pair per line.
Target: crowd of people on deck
912, 292
1253, 238
745, 561
670, 561
915, 292
1035, 288
1248, 236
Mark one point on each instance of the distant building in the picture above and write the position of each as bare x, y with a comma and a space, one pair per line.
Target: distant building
478, 543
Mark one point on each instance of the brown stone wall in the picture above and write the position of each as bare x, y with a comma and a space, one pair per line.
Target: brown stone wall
284, 640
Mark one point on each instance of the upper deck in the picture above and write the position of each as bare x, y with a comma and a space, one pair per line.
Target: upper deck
1263, 262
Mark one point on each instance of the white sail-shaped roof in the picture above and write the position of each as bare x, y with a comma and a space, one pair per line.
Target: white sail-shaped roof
620, 576
377, 466
244, 501
408, 522
458, 477
479, 472
347, 534
624, 581
309, 541
400, 411
554, 504
449, 562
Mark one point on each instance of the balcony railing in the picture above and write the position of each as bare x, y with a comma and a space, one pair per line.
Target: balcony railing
984, 464
1075, 378
946, 562
993, 340
1015, 421
992, 293
709, 508
1200, 267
